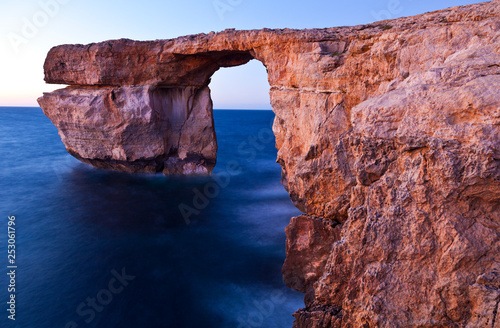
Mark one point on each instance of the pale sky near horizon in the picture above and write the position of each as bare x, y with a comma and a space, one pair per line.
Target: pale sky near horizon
28, 29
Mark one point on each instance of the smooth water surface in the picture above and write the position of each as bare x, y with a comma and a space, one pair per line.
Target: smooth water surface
78, 228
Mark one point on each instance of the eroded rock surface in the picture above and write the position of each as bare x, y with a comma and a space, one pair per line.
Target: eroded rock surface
136, 128
390, 130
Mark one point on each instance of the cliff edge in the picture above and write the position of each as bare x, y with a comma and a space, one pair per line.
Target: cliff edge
388, 136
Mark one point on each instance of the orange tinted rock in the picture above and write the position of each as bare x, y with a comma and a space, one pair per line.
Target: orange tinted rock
137, 128
391, 129
309, 242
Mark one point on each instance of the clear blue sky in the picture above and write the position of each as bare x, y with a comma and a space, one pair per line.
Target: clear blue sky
29, 28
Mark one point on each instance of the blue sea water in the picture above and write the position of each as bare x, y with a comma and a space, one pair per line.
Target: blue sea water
97, 248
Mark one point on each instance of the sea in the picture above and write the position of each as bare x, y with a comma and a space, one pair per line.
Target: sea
99, 248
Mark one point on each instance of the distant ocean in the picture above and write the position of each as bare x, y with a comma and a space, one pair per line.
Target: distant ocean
97, 248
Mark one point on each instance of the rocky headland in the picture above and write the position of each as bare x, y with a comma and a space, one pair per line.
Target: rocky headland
388, 136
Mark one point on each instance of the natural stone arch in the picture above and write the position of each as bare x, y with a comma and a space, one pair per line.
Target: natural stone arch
124, 95
161, 122
393, 142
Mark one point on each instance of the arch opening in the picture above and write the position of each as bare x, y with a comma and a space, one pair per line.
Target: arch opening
195, 151
145, 117
241, 87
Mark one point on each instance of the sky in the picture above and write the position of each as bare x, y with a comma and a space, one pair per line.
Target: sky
29, 28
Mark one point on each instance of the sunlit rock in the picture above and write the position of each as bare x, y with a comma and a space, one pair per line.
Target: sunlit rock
389, 130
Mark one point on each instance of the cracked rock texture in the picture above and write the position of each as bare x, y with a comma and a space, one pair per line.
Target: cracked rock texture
388, 136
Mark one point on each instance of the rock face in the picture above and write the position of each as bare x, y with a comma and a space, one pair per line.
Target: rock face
388, 136
136, 128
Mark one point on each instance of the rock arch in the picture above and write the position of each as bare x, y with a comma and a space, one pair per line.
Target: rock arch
388, 136
144, 106
138, 109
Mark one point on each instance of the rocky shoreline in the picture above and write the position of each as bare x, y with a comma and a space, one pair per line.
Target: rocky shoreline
388, 136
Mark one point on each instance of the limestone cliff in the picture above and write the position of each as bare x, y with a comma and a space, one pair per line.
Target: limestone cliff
388, 136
